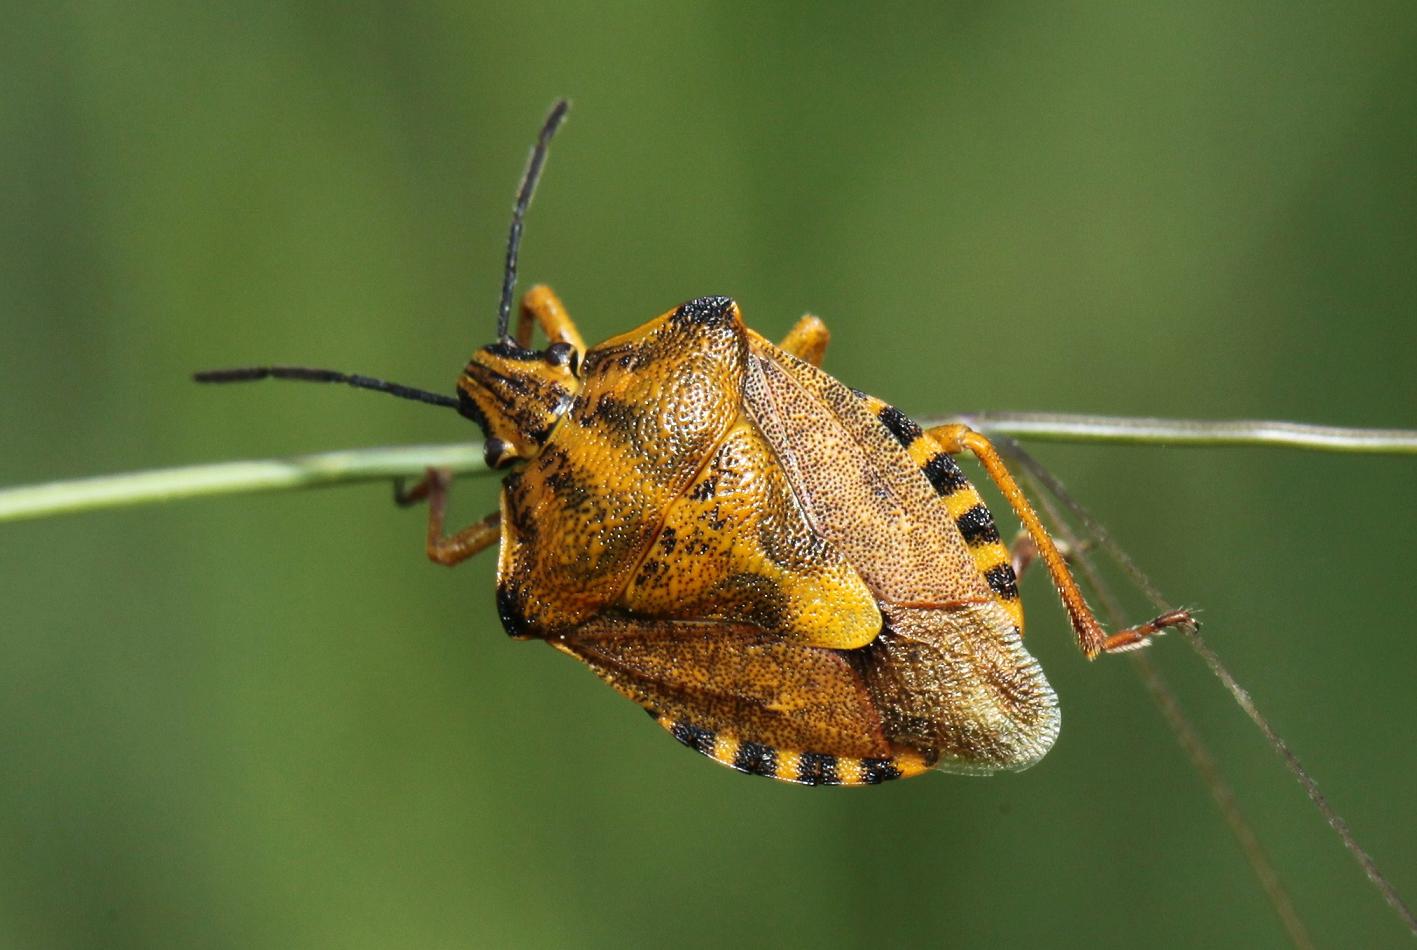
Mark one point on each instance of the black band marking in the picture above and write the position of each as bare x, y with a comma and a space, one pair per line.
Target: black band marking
755, 759
899, 425
944, 474
700, 740
817, 768
977, 526
1002, 581
876, 771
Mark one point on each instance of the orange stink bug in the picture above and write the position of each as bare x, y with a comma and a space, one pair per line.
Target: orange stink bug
790, 575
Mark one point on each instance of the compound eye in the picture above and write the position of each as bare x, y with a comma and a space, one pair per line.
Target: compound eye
561, 354
497, 453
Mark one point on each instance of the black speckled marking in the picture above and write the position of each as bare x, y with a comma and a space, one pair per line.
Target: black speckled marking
977, 526
700, 740
620, 417
755, 759
817, 768
899, 425
944, 474
704, 490
760, 599
1002, 581
705, 310
668, 539
876, 771
571, 485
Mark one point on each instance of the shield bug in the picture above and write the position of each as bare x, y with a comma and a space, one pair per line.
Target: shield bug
791, 576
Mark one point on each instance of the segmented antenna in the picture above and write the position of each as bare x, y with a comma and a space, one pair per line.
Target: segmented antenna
524, 193
311, 375
509, 281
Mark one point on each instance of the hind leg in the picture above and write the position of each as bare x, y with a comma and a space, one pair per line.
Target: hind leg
1092, 639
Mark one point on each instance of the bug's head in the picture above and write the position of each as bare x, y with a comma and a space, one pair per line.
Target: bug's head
517, 395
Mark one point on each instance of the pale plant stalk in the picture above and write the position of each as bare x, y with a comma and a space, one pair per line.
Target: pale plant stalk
383, 463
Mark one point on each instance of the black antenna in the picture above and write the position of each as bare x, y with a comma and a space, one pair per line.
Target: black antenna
310, 375
524, 193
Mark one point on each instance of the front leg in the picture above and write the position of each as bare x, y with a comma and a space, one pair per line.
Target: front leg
441, 548
541, 306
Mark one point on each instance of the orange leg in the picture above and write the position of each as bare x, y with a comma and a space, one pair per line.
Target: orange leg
448, 549
807, 340
1092, 639
541, 306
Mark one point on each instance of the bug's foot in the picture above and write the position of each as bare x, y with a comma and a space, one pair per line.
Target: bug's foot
1134, 638
435, 480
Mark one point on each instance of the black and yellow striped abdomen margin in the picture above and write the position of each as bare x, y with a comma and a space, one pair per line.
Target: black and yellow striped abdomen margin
963, 502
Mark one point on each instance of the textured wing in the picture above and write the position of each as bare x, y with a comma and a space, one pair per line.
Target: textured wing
928, 691
957, 684
948, 673
754, 701
861, 491
736, 679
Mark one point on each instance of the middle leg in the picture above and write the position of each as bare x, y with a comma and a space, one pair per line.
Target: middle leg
1023, 552
541, 306
807, 340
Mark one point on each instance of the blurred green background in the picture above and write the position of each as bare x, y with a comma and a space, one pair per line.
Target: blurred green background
268, 721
